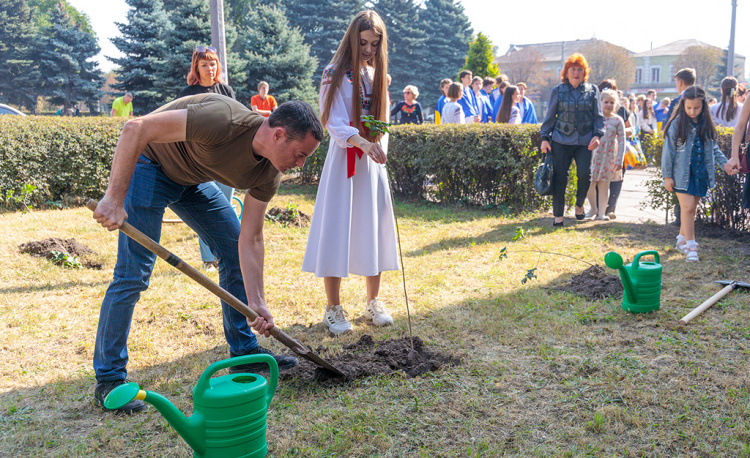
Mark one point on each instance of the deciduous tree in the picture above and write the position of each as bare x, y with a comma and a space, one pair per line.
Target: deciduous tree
704, 59
609, 61
525, 65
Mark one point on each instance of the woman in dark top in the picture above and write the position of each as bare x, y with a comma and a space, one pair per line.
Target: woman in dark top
205, 74
571, 131
204, 78
411, 111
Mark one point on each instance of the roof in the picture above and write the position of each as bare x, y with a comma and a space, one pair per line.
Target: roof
553, 51
675, 48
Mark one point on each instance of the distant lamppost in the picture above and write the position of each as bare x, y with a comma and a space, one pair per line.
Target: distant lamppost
218, 40
730, 52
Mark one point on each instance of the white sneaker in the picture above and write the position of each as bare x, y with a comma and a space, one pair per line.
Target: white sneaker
602, 218
377, 312
590, 214
681, 244
335, 319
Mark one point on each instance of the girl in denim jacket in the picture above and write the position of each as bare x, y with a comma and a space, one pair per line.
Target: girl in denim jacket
689, 160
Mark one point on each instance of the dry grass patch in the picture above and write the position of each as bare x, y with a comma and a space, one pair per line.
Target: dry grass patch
542, 372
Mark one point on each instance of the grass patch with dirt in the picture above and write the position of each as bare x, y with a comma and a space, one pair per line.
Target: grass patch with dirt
542, 372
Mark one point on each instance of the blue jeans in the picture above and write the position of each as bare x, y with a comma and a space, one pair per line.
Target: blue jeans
206, 255
207, 212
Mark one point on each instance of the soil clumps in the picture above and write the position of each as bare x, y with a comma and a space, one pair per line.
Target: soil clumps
593, 283
44, 248
368, 357
287, 216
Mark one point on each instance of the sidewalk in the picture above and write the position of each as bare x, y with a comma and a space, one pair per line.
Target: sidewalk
632, 195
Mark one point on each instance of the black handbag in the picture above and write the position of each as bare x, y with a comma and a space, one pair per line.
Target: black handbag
543, 177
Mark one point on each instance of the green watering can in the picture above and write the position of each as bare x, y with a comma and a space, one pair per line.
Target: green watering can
640, 280
229, 418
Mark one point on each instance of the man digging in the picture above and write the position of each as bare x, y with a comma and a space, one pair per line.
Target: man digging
169, 158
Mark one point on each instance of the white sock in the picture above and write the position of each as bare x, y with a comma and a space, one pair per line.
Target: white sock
692, 244
681, 238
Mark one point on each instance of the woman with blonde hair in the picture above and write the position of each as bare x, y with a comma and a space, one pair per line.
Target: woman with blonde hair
352, 229
205, 78
410, 109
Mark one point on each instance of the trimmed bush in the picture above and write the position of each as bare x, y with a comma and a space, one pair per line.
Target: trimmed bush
67, 159
722, 205
479, 164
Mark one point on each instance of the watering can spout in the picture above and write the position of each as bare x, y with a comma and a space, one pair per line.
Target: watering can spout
191, 429
614, 261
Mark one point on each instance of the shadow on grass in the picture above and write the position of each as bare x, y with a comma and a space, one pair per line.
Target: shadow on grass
536, 365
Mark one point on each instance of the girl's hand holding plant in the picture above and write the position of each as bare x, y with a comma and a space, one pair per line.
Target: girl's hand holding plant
669, 184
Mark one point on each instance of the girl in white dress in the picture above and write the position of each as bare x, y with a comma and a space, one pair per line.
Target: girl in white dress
352, 229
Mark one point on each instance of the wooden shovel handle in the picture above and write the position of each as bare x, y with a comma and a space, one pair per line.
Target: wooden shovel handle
206, 282
711, 301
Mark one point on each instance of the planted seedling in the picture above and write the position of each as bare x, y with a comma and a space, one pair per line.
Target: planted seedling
65, 259
531, 273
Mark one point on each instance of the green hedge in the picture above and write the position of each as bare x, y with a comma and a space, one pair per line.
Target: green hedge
68, 159
722, 205
480, 164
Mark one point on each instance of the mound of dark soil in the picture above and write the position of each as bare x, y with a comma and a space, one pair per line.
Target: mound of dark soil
44, 248
593, 283
368, 357
288, 217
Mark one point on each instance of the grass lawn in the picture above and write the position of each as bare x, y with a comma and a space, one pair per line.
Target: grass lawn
542, 372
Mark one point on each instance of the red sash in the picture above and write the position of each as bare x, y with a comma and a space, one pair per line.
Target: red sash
351, 151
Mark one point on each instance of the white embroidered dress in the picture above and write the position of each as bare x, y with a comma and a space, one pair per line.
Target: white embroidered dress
352, 229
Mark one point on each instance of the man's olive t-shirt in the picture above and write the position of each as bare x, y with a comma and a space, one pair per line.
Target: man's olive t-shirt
218, 146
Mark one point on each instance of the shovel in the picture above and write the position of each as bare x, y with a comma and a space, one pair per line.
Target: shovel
731, 285
294, 345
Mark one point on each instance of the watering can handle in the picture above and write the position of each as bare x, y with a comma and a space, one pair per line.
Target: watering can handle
645, 253
203, 382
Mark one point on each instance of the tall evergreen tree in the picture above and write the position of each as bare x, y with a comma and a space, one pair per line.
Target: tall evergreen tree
407, 50
66, 67
144, 53
480, 58
18, 39
191, 27
323, 24
450, 33
273, 51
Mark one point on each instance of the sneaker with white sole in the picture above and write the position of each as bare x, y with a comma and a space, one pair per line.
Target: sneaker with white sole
335, 320
602, 218
591, 214
378, 313
681, 244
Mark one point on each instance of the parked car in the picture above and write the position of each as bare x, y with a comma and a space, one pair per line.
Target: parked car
5, 109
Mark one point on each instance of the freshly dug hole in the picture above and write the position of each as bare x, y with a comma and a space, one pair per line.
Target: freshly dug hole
368, 357
286, 217
44, 248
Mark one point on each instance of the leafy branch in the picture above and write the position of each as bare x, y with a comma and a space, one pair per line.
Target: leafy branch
376, 126
531, 273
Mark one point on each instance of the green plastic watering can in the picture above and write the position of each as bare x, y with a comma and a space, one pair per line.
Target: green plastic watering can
641, 281
229, 417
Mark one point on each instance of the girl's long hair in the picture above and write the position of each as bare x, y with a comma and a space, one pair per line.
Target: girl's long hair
648, 111
728, 105
707, 128
194, 77
506, 108
348, 57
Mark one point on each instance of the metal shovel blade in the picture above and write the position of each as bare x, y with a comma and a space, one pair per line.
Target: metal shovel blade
223, 294
737, 284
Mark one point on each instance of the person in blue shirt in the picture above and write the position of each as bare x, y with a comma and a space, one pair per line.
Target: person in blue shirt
526, 107
444, 85
468, 101
487, 84
496, 92
498, 98
683, 79
485, 109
